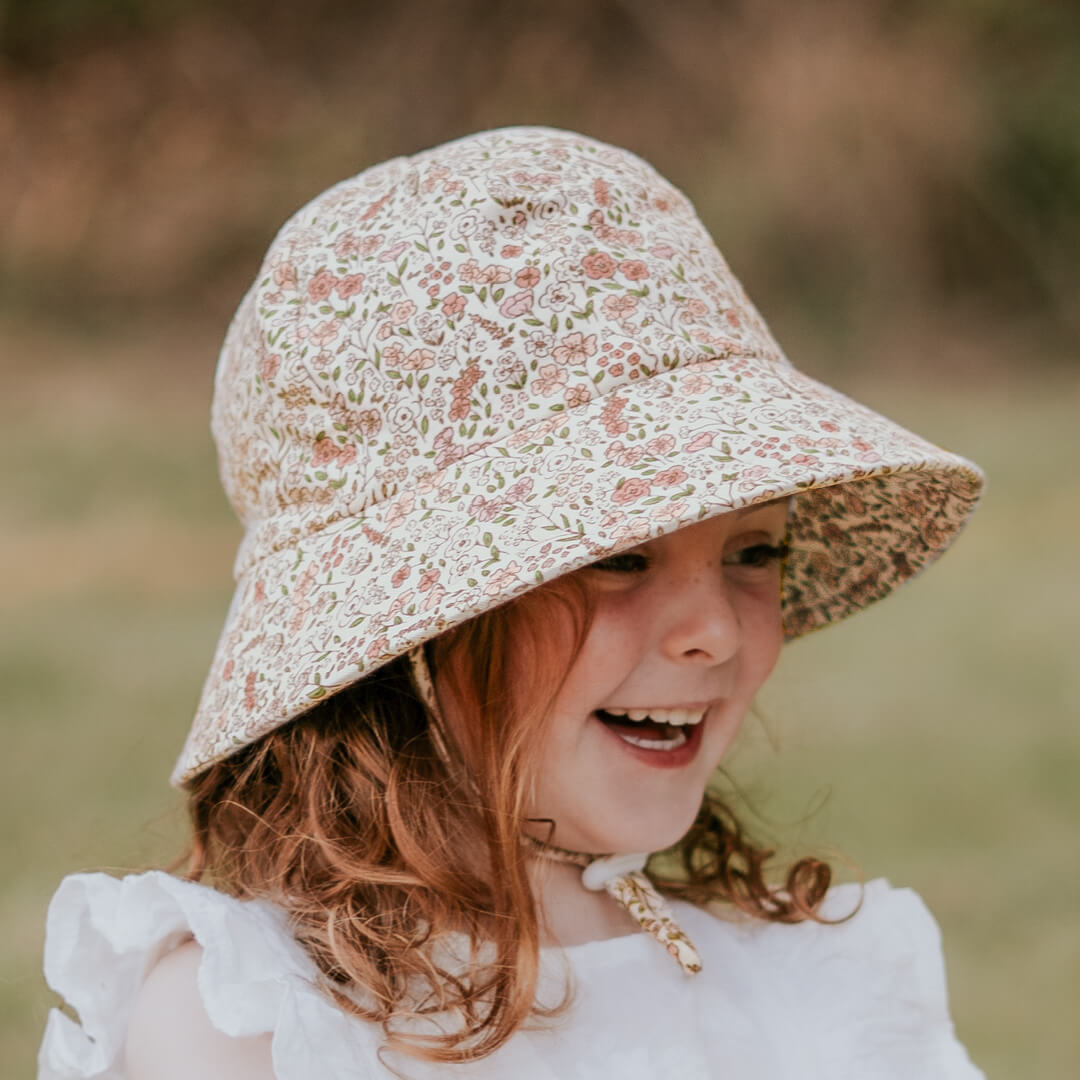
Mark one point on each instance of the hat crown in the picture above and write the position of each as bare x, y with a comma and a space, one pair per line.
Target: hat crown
434, 306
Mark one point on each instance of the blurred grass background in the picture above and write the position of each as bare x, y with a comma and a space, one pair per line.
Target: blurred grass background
897, 184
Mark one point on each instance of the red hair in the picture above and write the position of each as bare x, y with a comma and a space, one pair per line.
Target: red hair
349, 819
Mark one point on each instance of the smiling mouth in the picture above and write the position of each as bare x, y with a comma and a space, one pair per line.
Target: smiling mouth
657, 730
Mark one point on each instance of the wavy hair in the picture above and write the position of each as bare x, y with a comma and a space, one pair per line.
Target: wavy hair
408, 886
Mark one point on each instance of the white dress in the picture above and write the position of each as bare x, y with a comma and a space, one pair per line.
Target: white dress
864, 999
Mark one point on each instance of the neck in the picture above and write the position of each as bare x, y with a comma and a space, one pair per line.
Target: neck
569, 913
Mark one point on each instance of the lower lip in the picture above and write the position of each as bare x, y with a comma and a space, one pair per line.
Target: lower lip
661, 759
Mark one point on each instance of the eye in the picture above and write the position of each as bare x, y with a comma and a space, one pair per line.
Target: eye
757, 555
627, 562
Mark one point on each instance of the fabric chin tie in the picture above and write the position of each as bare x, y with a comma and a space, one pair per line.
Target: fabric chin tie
621, 876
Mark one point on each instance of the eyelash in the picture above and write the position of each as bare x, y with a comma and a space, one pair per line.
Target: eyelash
762, 555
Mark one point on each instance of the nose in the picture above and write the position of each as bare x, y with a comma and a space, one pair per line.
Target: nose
700, 624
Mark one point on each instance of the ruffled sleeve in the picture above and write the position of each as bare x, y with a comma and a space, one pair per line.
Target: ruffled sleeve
105, 934
872, 989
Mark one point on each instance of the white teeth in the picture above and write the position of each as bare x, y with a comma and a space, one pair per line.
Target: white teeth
675, 717
655, 744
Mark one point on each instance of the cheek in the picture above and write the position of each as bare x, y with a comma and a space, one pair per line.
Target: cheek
609, 650
763, 634
608, 653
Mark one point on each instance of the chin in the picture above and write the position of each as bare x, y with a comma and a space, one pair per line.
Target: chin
654, 839
649, 832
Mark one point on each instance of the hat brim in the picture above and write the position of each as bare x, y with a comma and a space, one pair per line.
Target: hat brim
874, 504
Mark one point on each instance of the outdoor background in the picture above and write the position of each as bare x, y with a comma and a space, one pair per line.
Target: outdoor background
897, 185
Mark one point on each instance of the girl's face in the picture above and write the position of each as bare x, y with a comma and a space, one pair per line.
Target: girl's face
686, 630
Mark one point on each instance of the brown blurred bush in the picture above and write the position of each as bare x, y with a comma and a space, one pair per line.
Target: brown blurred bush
913, 166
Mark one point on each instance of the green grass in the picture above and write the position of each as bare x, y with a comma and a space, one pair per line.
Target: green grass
932, 739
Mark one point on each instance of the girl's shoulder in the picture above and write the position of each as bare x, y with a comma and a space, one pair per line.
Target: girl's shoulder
861, 923
170, 1035
868, 938
869, 981
173, 962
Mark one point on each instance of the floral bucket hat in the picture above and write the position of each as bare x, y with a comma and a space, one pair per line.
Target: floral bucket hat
465, 373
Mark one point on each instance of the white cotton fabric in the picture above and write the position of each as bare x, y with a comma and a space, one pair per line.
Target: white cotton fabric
865, 998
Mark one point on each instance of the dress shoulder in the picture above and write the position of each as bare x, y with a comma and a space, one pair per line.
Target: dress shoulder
104, 935
869, 992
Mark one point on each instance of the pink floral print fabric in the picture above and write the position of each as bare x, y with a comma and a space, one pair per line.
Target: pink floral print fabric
467, 372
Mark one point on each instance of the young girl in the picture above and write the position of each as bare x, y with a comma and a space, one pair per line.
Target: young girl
532, 500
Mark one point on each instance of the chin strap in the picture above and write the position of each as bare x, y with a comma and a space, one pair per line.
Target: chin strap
621, 876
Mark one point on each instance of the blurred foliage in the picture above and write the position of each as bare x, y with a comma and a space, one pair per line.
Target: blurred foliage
898, 185
863, 160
